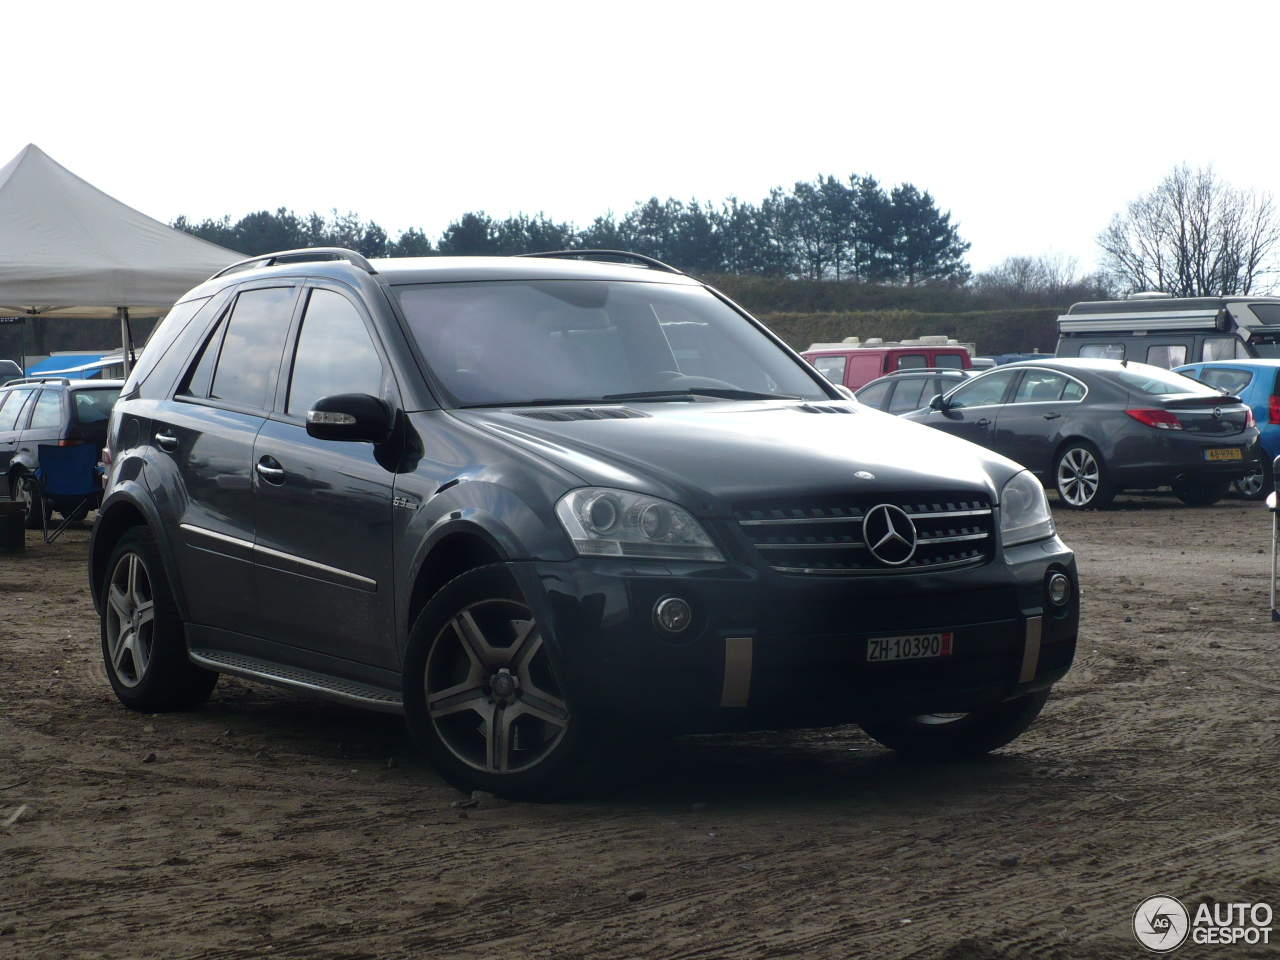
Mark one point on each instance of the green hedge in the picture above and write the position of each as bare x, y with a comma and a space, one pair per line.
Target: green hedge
994, 331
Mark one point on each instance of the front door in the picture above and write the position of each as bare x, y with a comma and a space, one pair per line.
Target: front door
1027, 429
324, 508
972, 409
201, 475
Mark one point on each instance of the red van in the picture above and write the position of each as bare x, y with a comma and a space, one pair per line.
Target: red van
854, 363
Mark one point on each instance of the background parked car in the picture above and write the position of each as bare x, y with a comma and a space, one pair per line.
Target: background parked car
908, 390
853, 363
1092, 428
1257, 383
9, 371
58, 412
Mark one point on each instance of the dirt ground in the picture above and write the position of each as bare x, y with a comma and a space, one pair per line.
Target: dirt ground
273, 824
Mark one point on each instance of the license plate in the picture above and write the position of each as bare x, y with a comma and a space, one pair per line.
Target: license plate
1224, 453
915, 647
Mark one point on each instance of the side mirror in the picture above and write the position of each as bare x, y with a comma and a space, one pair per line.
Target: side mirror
937, 402
349, 416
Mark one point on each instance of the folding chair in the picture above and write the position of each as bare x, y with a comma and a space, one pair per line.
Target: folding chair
67, 473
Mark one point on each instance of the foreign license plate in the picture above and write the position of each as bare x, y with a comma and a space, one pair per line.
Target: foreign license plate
1224, 453
916, 647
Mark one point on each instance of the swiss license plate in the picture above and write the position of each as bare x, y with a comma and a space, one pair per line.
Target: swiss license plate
1224, 453
915, 647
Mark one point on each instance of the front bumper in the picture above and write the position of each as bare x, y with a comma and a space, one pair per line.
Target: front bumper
768, 650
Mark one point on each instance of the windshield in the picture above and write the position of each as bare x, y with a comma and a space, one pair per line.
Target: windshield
517, 342
94, 406
1156, 382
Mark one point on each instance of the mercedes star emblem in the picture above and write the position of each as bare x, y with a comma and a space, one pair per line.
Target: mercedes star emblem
889, 534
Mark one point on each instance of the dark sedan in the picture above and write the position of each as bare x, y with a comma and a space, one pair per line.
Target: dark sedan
906, 390
1092, 428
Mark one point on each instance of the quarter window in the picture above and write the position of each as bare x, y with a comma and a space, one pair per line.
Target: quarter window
1102, 351
48, 412
982, 391
831, 367
873, 396
335, 353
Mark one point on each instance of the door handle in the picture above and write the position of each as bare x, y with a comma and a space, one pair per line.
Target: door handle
981, 423
1052, 416
167, 441
270, 470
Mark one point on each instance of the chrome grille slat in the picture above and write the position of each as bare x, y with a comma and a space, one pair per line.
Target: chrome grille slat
816, 538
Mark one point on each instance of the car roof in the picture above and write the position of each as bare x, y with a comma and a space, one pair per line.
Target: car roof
399, 271
1265, 362
1067, 364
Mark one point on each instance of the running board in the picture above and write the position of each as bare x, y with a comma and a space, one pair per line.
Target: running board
332, 688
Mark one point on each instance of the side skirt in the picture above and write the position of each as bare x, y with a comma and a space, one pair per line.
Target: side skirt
332, 688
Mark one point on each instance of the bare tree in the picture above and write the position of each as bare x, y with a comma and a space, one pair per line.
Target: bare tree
1193, 236
1050, 279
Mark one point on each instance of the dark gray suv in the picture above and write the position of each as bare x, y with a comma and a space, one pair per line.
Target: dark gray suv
528, 501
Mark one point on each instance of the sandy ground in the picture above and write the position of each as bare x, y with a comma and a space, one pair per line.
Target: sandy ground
272, 824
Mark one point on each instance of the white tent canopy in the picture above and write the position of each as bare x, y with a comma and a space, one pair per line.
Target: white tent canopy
69, 250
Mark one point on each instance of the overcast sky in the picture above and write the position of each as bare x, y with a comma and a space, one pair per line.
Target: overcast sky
1031, 122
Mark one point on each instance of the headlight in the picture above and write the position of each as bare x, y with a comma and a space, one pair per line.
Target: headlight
615, 523
1024, 511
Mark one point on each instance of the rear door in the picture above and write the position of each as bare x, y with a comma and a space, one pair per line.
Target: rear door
202, 440
44, 425
13, 414
324, 525
1028, 427
862, 369
972, 409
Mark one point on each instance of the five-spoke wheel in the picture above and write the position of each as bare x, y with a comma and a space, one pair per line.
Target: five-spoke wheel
482, 693
130, 619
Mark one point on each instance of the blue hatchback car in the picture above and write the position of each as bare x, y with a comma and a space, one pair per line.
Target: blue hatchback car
1257, 383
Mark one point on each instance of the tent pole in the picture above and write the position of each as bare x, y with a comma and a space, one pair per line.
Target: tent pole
123, 313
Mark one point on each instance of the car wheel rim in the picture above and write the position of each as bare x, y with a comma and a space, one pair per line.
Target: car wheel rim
938, 719
23, 495
130, 619
1078, 477
1250, 485
491, 693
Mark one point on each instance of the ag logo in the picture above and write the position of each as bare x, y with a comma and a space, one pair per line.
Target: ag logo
889, 534
1161, 923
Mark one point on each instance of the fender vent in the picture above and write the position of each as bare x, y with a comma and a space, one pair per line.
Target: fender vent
586, 413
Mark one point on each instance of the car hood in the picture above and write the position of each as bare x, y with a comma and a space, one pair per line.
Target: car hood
709, 456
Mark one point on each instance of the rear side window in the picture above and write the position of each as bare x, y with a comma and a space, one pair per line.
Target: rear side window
1040, 386
831, 367
907, 395
334, 354
1223, 348
93, 406
873, 396
912, 361
48, 412
1167, 356
948, 361
13, 405
1102, 351
1225, 378
252, 346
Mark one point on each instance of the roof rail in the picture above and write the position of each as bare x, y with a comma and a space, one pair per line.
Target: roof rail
607, 256
305, 255
14, 383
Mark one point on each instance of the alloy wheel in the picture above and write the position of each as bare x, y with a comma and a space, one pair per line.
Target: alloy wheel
1250, 485
491, 693
130, 619
22, 493
1078, 477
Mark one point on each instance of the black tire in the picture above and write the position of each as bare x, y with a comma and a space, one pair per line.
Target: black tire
30, 495
515, 737
957, 736
1256, 484
146, 660
1201, 493
1081, 477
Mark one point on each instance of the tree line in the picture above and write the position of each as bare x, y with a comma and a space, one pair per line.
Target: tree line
830, 228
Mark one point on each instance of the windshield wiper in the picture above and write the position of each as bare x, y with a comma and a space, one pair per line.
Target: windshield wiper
719, 393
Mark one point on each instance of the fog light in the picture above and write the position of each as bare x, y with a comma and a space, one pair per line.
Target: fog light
1059, 589
672, 614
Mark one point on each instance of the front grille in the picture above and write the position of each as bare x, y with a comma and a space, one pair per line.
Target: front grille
826, 536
